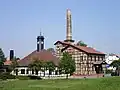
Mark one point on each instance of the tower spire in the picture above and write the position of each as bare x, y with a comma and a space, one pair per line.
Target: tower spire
40, 33
68, 27
40, 42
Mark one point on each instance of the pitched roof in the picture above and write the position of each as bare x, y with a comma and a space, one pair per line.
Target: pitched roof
85, 49
7, 62
41, 55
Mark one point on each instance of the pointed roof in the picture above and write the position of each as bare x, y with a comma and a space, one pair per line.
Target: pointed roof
41, 55
88, 50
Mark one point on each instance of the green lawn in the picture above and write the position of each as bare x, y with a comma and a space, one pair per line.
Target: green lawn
111, 83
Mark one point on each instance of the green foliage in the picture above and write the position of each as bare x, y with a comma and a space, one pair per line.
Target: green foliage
114, 74
51, 49
14, 63
116, 64
50, 66
6, 75
28, 77
41, 65
23, 77
81, 43
2, 57
67, 64
35, 65
35, 77
108, 71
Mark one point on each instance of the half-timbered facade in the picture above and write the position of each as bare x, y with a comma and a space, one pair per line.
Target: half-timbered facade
88, 60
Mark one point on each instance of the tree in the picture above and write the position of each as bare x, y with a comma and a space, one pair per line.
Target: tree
67, 64
2, 57
81, 43
36, 65
50, 66
13, 65
44, 67
116, 63
51, 50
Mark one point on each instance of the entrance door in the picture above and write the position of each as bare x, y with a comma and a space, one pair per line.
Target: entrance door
98, 68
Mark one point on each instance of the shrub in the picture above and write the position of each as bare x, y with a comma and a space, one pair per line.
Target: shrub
35, 77
114, 74
6, 75
108, 71
28, 77
22, 77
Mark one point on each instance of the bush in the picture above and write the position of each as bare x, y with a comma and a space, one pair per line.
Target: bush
28, 77
35, 77
114, 74
6, 75
3, 77
108, 71
22, 77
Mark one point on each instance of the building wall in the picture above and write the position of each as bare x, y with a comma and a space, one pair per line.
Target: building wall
83, 61
109, 59
58, 48
40, 73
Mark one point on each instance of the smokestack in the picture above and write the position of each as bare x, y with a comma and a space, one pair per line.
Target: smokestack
11, 54
68, 27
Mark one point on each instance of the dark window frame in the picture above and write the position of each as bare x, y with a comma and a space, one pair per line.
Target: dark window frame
27, 71
81, 58
94, 58
22, 71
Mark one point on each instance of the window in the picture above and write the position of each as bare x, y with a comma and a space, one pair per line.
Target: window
27, 71
92, 68
50, 72
32, 71
102, 58
56, 72
95, 58
60, 71
81, 58
91, 58
98, 58
22, 71
36, 72
57, 46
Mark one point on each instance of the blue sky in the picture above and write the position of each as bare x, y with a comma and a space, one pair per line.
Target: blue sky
96, 22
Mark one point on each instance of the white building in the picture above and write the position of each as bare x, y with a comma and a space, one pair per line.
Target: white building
110, 58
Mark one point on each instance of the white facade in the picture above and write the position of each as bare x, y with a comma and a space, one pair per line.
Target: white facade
40, 73
110, 58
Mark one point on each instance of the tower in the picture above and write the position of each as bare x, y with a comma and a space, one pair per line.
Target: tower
40, 42
68, 27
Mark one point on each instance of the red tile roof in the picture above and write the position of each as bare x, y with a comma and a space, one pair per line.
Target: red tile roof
7, 62
85, 49
41, 55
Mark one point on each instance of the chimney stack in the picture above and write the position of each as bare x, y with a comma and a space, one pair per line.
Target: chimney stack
11, 54
68, 27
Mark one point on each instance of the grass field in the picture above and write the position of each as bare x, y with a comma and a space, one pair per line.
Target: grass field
111, 83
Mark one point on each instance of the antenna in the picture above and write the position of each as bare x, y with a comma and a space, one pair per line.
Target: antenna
40, 32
